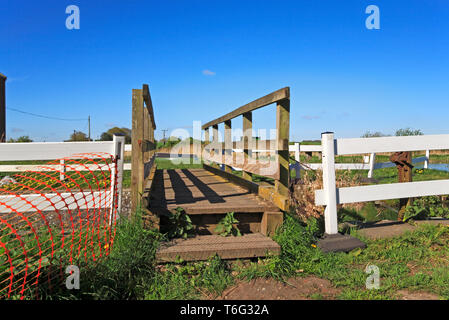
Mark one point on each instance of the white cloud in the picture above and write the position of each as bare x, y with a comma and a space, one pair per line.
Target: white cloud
309, 117
208, 73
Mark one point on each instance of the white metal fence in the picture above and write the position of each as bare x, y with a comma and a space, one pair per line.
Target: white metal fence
330, 196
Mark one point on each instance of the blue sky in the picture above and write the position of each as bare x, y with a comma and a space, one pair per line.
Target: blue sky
343, 77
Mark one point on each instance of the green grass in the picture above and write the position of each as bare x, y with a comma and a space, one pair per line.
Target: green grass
416, 261
425, 251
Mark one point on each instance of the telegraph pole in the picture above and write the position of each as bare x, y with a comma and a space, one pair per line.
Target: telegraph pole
163, 132
88, 120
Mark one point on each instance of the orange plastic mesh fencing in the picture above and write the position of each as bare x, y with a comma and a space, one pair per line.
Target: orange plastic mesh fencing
63, 213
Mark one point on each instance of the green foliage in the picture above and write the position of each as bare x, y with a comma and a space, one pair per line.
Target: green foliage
78, 136
126, 273
369, 134
408, 132
168, 143
228, 226
20, 139
191, 280
179, 224
433, 206
108, 135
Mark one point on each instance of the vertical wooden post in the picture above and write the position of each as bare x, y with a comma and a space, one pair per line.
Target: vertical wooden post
282, 133
205, 152
405, 175
146, 134
329, 185
426, 162
137, 166
2, 108
216, 151
228, 145
247, 142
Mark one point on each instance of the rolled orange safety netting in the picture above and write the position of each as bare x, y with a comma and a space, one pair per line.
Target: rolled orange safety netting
59, 214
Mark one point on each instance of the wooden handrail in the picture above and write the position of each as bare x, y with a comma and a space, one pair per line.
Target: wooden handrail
143, 146
228, 158
149, 103
273, 97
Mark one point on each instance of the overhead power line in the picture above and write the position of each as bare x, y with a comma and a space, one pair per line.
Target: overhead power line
44, 116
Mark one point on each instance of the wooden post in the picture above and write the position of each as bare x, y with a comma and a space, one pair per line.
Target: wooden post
216, 152
426, 162
282, 133
329, 185
228, 145
146, 134
2, 108
247, 142
137, 166
204, 151
403, 161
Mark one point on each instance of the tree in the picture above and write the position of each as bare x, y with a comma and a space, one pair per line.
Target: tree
78, 136
21, 139
408, 132
108, 135
369, 134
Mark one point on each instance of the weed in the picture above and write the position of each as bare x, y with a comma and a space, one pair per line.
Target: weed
228, 226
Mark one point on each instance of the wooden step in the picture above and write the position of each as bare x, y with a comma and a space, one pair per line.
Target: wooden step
203, 247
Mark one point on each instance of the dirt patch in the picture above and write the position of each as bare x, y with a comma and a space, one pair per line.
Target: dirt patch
407, 295
271, 289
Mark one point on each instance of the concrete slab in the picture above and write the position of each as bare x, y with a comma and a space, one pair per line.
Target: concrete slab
388, 229
434, 221
339, 243
384, 229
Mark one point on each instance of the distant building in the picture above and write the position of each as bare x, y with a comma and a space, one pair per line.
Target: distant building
2, 108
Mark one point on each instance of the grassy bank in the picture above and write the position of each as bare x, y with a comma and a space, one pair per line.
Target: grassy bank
414, 262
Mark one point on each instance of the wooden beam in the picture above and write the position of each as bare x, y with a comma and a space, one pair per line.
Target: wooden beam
216, 151
137, 158
228, 144
273, 97
247, 143
149, 103
283, 132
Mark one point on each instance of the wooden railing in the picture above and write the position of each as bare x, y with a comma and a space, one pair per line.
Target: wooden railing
143, 147
217, 153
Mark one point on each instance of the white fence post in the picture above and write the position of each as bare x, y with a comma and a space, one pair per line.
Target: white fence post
63, 170
118, 153
329, 186
426, 162
297, 165
372, 161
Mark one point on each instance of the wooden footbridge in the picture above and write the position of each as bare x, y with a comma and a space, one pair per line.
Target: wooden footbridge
248, 177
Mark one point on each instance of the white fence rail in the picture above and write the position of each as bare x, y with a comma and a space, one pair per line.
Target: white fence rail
56, 150
330, 196
368, 164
